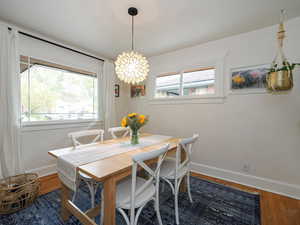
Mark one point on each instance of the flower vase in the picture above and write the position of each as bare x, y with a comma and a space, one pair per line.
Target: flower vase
134, 137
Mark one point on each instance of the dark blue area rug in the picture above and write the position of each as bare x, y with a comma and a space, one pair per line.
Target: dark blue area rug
214, 204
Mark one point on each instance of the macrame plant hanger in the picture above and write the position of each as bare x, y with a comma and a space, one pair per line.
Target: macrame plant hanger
280, 77
280, 37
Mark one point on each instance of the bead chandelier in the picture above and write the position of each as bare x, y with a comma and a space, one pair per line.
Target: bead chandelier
132, 67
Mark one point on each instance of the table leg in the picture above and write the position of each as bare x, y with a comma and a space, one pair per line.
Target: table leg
65, 196
110, 201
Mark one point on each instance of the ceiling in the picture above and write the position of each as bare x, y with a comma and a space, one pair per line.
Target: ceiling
102, 27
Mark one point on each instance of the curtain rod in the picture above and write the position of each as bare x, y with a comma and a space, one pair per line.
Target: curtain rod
58, 45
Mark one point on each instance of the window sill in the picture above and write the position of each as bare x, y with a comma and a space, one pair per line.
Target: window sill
188, 100
53, 125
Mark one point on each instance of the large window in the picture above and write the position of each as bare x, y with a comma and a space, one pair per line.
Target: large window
196, 82
51, 92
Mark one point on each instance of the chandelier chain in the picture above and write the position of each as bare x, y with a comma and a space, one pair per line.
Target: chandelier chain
132, 32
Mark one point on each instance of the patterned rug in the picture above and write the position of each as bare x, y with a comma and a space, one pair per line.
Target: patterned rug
214, 204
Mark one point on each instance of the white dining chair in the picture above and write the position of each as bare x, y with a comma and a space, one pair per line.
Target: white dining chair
135, 192
97, 133
91, 183
175, 170
119, 132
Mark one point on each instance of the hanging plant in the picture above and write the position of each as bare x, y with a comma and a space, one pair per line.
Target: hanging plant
286, 67
280, 76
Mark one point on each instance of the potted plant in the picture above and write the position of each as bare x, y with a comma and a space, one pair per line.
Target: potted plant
281, 78
134, 121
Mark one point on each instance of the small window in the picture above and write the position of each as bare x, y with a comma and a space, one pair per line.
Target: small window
199, 82
194, 82
168, 85
51, 92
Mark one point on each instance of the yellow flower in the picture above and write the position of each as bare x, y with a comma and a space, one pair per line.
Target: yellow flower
142, 119
124, 122
238, 79
132, 114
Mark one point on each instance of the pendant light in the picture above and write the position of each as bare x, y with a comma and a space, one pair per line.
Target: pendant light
131, 66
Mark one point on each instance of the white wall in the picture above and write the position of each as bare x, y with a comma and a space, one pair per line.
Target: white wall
262, 130
122, 102
37, 141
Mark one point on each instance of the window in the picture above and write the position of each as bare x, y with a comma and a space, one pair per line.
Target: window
194, 82
51, 92
168, 85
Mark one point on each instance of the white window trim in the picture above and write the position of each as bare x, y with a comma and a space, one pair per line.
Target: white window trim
217, 97
57, 124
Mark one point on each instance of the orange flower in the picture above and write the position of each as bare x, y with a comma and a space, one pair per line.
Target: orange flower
238, 79
124, 122
142, 119
132, 114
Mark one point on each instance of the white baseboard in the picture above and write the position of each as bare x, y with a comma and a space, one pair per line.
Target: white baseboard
44, 170
278, 187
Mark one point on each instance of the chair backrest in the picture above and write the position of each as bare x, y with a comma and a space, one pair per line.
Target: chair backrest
86, 133
124, 131
139, 160
185, 145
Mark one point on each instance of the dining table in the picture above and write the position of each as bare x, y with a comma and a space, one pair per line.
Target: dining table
109, 171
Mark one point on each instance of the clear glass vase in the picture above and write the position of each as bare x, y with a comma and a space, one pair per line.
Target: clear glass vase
134, 137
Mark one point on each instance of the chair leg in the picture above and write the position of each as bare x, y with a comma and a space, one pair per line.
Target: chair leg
176, 191
124, 216
136, 218
92, 192
176, 207
157, 209
189, 187
76, 191
171, 186
74, 195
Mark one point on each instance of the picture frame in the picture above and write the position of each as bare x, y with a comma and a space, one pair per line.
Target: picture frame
137, 91
117, 90
249, 79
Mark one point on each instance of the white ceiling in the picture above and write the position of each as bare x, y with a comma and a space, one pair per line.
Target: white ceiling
103, 26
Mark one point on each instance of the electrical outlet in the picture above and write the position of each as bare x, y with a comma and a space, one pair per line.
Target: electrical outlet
246, 167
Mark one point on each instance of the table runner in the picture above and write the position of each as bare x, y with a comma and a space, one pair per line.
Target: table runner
67, 163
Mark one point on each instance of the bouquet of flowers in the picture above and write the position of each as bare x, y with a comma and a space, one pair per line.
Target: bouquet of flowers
134, 121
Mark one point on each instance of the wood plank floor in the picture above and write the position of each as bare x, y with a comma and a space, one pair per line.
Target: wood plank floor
49, 183
275, 209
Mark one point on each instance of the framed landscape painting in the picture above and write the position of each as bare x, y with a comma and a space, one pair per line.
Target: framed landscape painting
250, 79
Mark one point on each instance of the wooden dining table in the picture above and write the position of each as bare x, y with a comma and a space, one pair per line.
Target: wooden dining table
108, 171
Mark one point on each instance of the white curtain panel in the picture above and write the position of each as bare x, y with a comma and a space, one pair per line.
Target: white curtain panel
10, 155
107, 83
